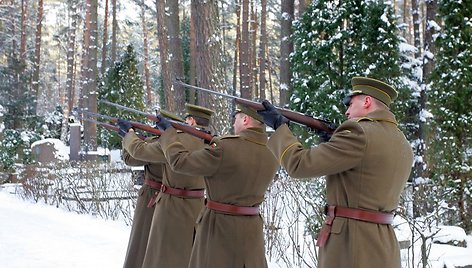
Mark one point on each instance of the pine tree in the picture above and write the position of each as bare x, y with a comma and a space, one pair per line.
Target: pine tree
123, 85
335, 41
451, 92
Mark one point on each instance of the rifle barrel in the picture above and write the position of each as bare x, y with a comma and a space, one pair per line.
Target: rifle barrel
294, 116
135, 124
177, 125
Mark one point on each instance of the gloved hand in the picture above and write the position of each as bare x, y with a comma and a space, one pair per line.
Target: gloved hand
325, 136
163, 123
272, 117
124, 127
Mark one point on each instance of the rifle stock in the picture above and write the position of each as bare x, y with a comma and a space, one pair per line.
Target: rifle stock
303, 119
177, 125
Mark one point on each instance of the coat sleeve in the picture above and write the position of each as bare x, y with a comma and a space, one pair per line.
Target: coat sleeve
203, 162
142, 150
130, 161
344, 151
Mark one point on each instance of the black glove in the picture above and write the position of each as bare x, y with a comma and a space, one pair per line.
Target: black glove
272, 117
325, 136
124, 126
163, 123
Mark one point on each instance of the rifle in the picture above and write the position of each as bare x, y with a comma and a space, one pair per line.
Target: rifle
177, 125
106, 125
135, 124
303, 119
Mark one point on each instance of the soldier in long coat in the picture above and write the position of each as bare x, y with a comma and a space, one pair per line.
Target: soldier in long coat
144, 210
178, 203
238, 170
367, 163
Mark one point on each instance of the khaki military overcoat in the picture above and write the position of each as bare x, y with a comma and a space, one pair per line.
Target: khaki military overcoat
142, 214
238, 171
173, 226
367, 163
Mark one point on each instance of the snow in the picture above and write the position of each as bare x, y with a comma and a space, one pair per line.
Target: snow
38, 235
62, 151
43, 236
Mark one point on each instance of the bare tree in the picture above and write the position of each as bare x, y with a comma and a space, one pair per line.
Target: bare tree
24, 12
37, 54
90, 72
166, 71
147, 78
237, 44
114, 31
253, 51
210, 71
286, 47
175, 50
105, 40
262, 50
244, 54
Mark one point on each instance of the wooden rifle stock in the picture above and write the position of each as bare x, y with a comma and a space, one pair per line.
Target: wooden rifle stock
303, 119
177, 125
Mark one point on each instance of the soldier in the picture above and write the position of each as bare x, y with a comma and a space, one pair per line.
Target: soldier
180, 200
366, 162
144, 211
238, 170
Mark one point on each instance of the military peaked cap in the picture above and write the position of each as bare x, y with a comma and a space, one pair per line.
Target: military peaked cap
170, 115
249, 111
195, 110
372, 87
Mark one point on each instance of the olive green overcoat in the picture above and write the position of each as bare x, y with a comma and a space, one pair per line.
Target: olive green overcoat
367, 163
173, 225
142, 214
237, 171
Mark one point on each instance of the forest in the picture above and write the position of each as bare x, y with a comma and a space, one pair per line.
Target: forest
57, 55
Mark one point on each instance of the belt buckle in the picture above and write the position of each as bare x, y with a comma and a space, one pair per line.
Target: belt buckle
163, 188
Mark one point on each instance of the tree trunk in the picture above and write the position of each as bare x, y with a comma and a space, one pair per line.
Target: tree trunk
70, 81
244, 63
429, 48
166, 74
37, 55
105, 40
253, 52
262, 50
114, 31
286, 47
90, 72
24, 11
193, 55
147, 78
176, 51
416, 27
210, 71
237, 45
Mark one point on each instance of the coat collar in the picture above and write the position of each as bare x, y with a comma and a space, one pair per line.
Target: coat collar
382, 115
256, 135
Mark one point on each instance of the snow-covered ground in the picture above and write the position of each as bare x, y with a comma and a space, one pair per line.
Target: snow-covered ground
42, 236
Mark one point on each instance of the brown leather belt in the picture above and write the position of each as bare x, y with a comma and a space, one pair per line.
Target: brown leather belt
350, 213
153, 184
156, 186
232, 209
182, 192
